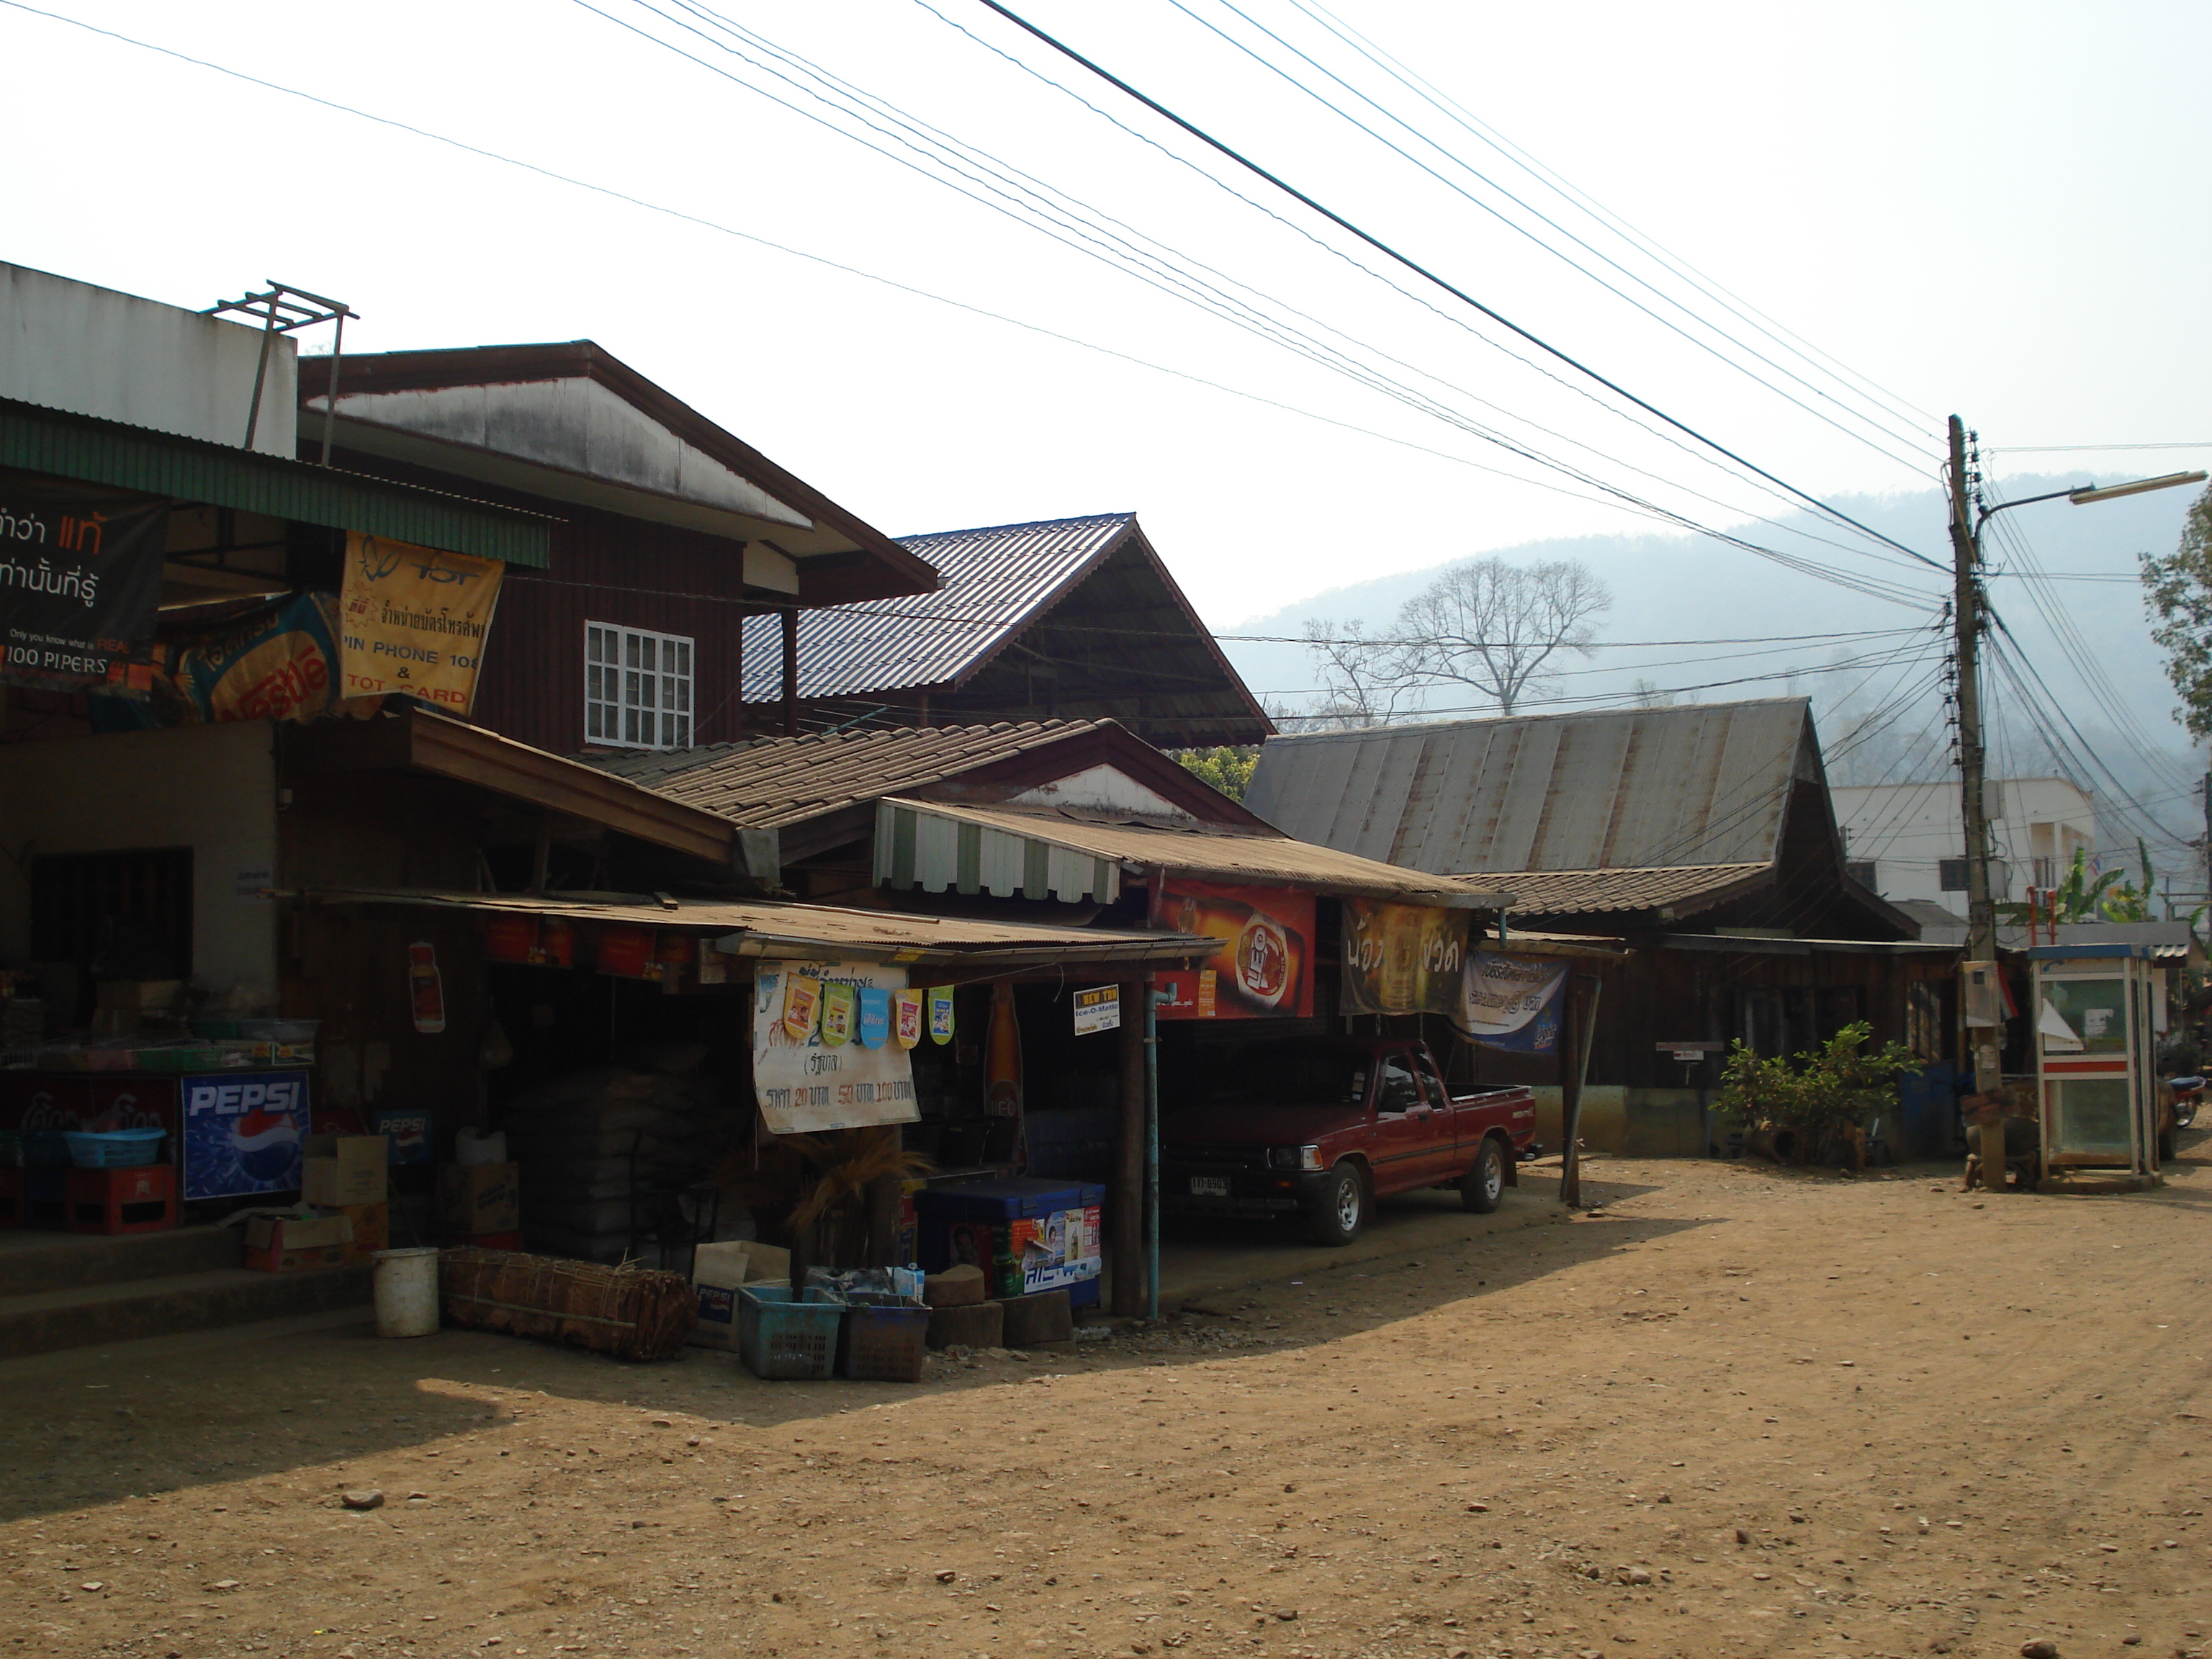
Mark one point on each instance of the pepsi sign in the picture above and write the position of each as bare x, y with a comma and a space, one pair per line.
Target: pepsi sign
242, 1132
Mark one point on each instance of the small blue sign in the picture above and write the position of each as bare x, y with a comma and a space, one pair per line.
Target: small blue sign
242, 1132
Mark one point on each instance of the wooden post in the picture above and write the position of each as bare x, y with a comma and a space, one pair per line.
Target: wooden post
790, 672
1125, 1206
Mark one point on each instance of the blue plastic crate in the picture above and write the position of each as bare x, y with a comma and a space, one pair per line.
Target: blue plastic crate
113, 1149
784, 1339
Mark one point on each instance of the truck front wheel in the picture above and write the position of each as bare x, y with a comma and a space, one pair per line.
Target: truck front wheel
1482, 1189
1341, 1215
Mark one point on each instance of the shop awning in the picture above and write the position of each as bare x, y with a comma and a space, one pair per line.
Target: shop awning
84, 446
777, 929
1002, 850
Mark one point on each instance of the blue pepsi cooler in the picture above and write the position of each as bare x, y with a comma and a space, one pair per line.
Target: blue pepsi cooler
1027, 1233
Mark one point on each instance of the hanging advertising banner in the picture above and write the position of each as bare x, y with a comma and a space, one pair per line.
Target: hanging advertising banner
281, 664
875, 1017
906, 1018
807, 1085
802, 1005
1402, 958
414, 620
80, 579
1264, 967
1513, 1002
940, 1014
836, 1015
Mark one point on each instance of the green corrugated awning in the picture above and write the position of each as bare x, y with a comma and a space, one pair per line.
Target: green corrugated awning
83, 446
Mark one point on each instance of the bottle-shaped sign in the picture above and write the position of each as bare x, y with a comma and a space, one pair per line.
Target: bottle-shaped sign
425, 990
1002, 1057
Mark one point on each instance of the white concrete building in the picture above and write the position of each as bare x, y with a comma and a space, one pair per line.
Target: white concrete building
1907, 841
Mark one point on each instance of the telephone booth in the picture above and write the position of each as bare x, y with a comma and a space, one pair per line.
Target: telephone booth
2098, 1014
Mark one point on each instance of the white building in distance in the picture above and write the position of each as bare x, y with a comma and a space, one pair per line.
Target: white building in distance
1907, 841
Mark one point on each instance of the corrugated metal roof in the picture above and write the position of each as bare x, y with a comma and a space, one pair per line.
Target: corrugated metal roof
1209, 853
72, 445
1582, 892
1644, 788
771, 781
993, 581
777, 928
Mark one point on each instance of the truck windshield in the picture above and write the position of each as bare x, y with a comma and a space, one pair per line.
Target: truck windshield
1297, 1073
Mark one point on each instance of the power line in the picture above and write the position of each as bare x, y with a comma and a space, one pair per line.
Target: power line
1421, 271
1334, 108
1452, 318
1568, 191
1897, 596
1236, 312
1872, 587
2082, 449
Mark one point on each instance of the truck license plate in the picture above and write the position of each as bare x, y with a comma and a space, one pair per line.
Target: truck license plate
1209, 1186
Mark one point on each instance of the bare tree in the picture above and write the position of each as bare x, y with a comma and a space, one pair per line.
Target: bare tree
1497, 627
1365, 680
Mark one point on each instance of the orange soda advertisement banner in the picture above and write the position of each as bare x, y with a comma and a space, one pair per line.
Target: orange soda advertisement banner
1264, 967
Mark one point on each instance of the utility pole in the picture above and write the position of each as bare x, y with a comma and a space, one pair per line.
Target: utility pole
1984, 1041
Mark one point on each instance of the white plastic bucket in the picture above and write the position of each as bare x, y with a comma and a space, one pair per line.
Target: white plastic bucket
407, 1291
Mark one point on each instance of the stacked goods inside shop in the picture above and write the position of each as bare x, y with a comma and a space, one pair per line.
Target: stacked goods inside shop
618, 1157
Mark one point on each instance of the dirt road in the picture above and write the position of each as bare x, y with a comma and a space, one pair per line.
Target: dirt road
1735, 1412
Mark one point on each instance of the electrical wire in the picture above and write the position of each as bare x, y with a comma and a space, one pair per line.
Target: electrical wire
1496, 317
1455, 318
1582, 201
1914, 464
1238, 314
704, 223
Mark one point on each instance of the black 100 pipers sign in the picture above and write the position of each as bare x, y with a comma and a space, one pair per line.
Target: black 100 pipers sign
80, 579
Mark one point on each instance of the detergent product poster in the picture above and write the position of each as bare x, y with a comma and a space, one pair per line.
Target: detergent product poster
242, 1131
822, 1080
1264, 967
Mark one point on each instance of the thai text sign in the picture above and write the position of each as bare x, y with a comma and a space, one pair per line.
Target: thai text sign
1098, 1009
812, 1082
1265, 965
414, 620
1402, 958
80, 578
1513, 1002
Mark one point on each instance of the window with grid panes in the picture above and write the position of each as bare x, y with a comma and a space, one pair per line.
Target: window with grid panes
637, 688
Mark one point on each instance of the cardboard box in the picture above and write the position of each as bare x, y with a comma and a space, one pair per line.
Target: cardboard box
281, 1244
337, 1171
372, 1229
479, 1198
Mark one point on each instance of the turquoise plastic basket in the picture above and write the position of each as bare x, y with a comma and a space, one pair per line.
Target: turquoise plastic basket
114, 1149
784, 1340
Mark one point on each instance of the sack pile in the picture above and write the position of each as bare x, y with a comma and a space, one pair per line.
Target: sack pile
604, 1151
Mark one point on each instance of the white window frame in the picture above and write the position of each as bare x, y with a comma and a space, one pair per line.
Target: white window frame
638, 687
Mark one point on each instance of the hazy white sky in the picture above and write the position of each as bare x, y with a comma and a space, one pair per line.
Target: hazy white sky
1991, 209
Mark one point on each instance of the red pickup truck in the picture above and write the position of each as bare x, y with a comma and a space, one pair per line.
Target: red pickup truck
1316, 1128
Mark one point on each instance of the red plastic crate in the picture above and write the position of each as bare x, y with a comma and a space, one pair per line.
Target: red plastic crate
134, 1200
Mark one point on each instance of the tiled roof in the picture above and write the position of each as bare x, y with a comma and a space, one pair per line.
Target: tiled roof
1590, 892
994, 581
770, 781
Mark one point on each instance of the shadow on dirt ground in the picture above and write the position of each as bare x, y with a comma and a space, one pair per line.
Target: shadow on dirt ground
93, 1425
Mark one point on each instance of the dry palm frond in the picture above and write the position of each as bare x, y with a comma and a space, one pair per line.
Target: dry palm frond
845, 1163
